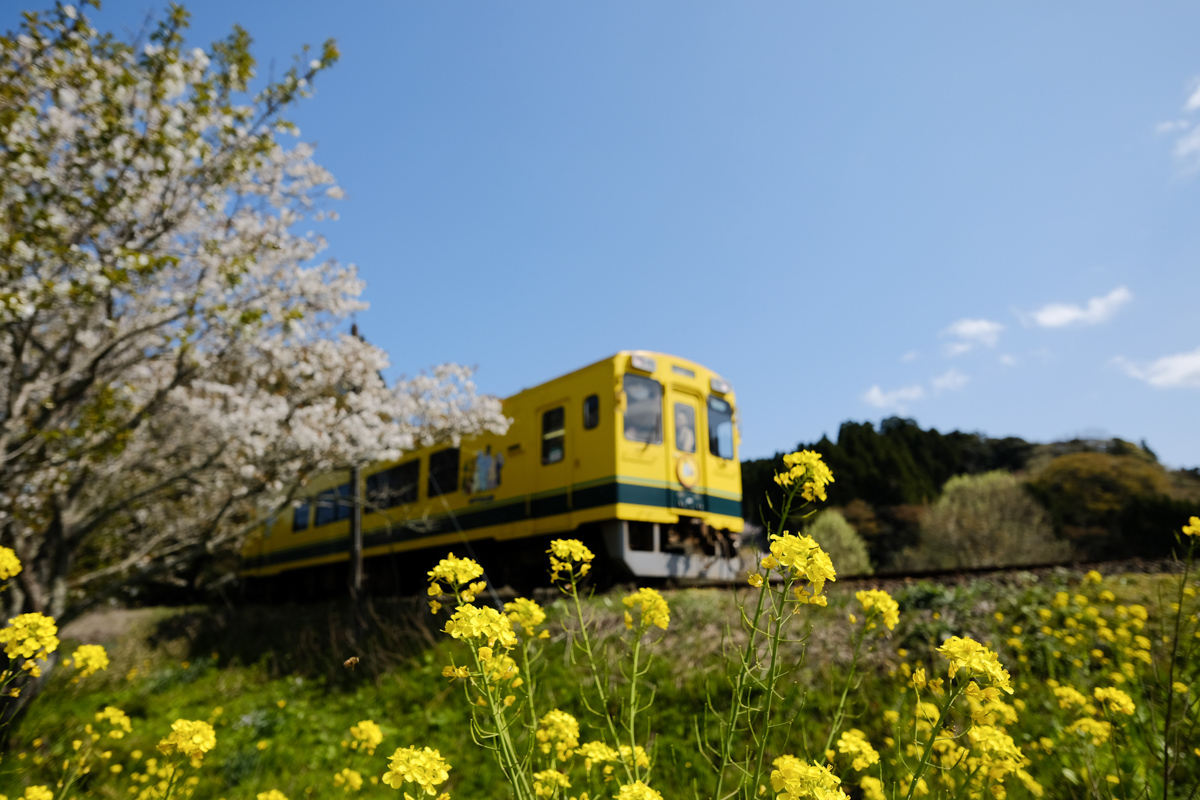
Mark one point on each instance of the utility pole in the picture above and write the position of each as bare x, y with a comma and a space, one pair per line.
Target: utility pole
356, 543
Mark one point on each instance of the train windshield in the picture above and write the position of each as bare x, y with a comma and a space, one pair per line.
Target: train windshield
643, 412
720, 427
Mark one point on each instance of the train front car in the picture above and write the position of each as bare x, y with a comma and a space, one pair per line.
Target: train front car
678, 511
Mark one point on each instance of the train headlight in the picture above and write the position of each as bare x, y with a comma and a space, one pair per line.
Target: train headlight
720, 386
643, 363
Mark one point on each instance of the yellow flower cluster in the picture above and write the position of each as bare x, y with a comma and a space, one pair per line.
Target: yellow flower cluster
38, 793
89, 659
854, 743
426, 768
973, 658
637, 791
792, 779
1115, 699
565, 554
350, 780
596, 753
1191, 529
527, 615
880, 602
806, 561
1097, 729
190, 739
10, 565
547, 782
652, 607
474, 623
30, 636
117, 719
806, 469
271, 794
455, 571
366, 735
560, 731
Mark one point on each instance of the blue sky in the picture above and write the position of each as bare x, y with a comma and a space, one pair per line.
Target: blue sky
983, 216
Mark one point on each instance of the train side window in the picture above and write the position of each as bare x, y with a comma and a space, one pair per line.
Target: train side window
554, 435
720, 427
394, 486
327, 507
591, 411
300, 516
443, 472
643, 410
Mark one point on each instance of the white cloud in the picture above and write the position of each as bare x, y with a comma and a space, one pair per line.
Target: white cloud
911, 355
949, 381
971, 332
1098, 309
1168, 372
897, 399
1008, 360
1193, 102
1172, 126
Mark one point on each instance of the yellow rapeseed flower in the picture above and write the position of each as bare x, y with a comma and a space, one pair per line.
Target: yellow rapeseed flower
454, 571
1180, 688
596, 753
190, 739
472, 622
526, 614
637, 791
1193, 527
271, 794
366, 735
90, 658
547, 782
792, 779
805, 560
872, 788
349, 779
38, 793
565, 554
1098, 730
654, 609
426, 768
116, 718
560, 731
30, 636
10, 565
974, 658
805, 468
854, 743
882, 603
1115, 699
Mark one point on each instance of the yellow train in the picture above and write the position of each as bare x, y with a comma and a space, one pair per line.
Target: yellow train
636, 454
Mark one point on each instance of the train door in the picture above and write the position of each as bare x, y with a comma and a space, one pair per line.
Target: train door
688, 462
552, 468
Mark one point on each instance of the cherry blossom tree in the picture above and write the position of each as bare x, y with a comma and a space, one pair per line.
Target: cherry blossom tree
171, 361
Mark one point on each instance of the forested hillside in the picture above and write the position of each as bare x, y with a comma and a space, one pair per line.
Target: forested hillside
1097, 498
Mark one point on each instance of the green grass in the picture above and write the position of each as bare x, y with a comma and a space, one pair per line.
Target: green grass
273, 684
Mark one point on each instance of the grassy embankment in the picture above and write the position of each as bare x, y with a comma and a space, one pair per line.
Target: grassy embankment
273, 684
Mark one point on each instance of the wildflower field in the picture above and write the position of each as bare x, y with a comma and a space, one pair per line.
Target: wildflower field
1063, 684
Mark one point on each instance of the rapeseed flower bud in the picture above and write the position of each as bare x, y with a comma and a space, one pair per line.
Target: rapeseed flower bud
974, 658
882, 604
472, 622
805, 468
792, 779
10, 565
854, 743
654, 609
366, 735
190, 739
89, 658
526, 614
637, 791
560, 731
426, 768
30, 636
